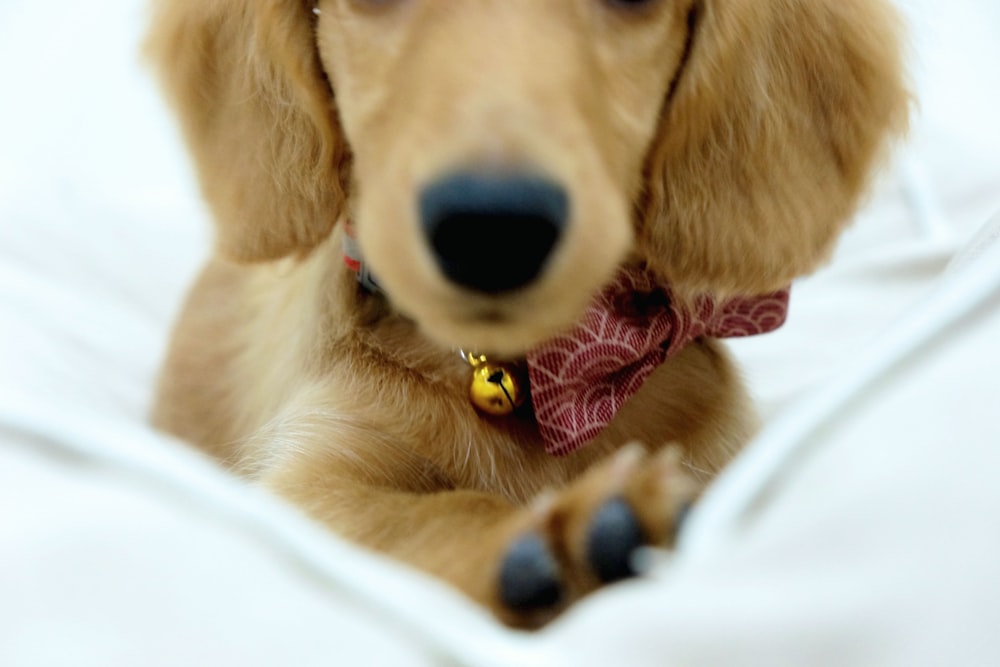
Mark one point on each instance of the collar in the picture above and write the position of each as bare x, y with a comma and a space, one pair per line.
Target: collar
580, 379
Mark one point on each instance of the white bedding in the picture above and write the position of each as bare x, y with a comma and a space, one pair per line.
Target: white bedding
859, 529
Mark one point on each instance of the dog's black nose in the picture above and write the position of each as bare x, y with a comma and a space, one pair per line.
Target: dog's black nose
493, 233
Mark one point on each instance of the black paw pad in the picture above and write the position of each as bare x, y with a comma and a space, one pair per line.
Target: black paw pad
615, 532
529, 576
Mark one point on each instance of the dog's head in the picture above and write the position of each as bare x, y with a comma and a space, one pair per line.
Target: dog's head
502, 158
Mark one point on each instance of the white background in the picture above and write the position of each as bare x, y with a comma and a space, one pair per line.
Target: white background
117, 549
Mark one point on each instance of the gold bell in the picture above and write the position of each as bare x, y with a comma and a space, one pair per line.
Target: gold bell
497, 389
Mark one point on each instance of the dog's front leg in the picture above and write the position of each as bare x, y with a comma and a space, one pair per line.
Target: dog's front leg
524, 562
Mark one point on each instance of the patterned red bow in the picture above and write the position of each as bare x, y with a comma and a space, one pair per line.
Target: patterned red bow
579, 380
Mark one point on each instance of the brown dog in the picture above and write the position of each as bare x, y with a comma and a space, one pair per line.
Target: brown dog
503, 163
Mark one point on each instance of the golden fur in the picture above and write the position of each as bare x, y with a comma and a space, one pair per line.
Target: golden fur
722, 143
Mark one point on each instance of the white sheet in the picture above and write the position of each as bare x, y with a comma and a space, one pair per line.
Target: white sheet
872, 547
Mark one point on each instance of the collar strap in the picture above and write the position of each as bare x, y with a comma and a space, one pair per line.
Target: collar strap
354, 261
579, 380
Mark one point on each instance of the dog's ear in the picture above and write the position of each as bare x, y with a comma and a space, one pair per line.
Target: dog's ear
768, 137
258, 114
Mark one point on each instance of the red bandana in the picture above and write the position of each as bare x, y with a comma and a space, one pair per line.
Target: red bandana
579, 380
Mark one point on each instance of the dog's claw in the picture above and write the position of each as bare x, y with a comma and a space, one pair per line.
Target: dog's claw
529, 576
681, 517
615, 533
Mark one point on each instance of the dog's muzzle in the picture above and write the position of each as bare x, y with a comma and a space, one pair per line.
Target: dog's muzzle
493, 233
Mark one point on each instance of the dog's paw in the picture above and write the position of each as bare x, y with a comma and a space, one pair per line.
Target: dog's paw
572, 542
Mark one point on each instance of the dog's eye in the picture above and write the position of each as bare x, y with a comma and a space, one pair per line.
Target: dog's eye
626, 6
630, 4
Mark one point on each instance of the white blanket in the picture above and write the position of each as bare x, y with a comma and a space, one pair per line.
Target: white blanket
860, 528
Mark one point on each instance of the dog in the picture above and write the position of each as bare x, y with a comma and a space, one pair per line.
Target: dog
469, 252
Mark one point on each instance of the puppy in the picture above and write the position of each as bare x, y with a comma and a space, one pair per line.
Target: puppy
554, 207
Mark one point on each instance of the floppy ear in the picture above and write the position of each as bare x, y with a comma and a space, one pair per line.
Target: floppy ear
258, 115
768, 138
